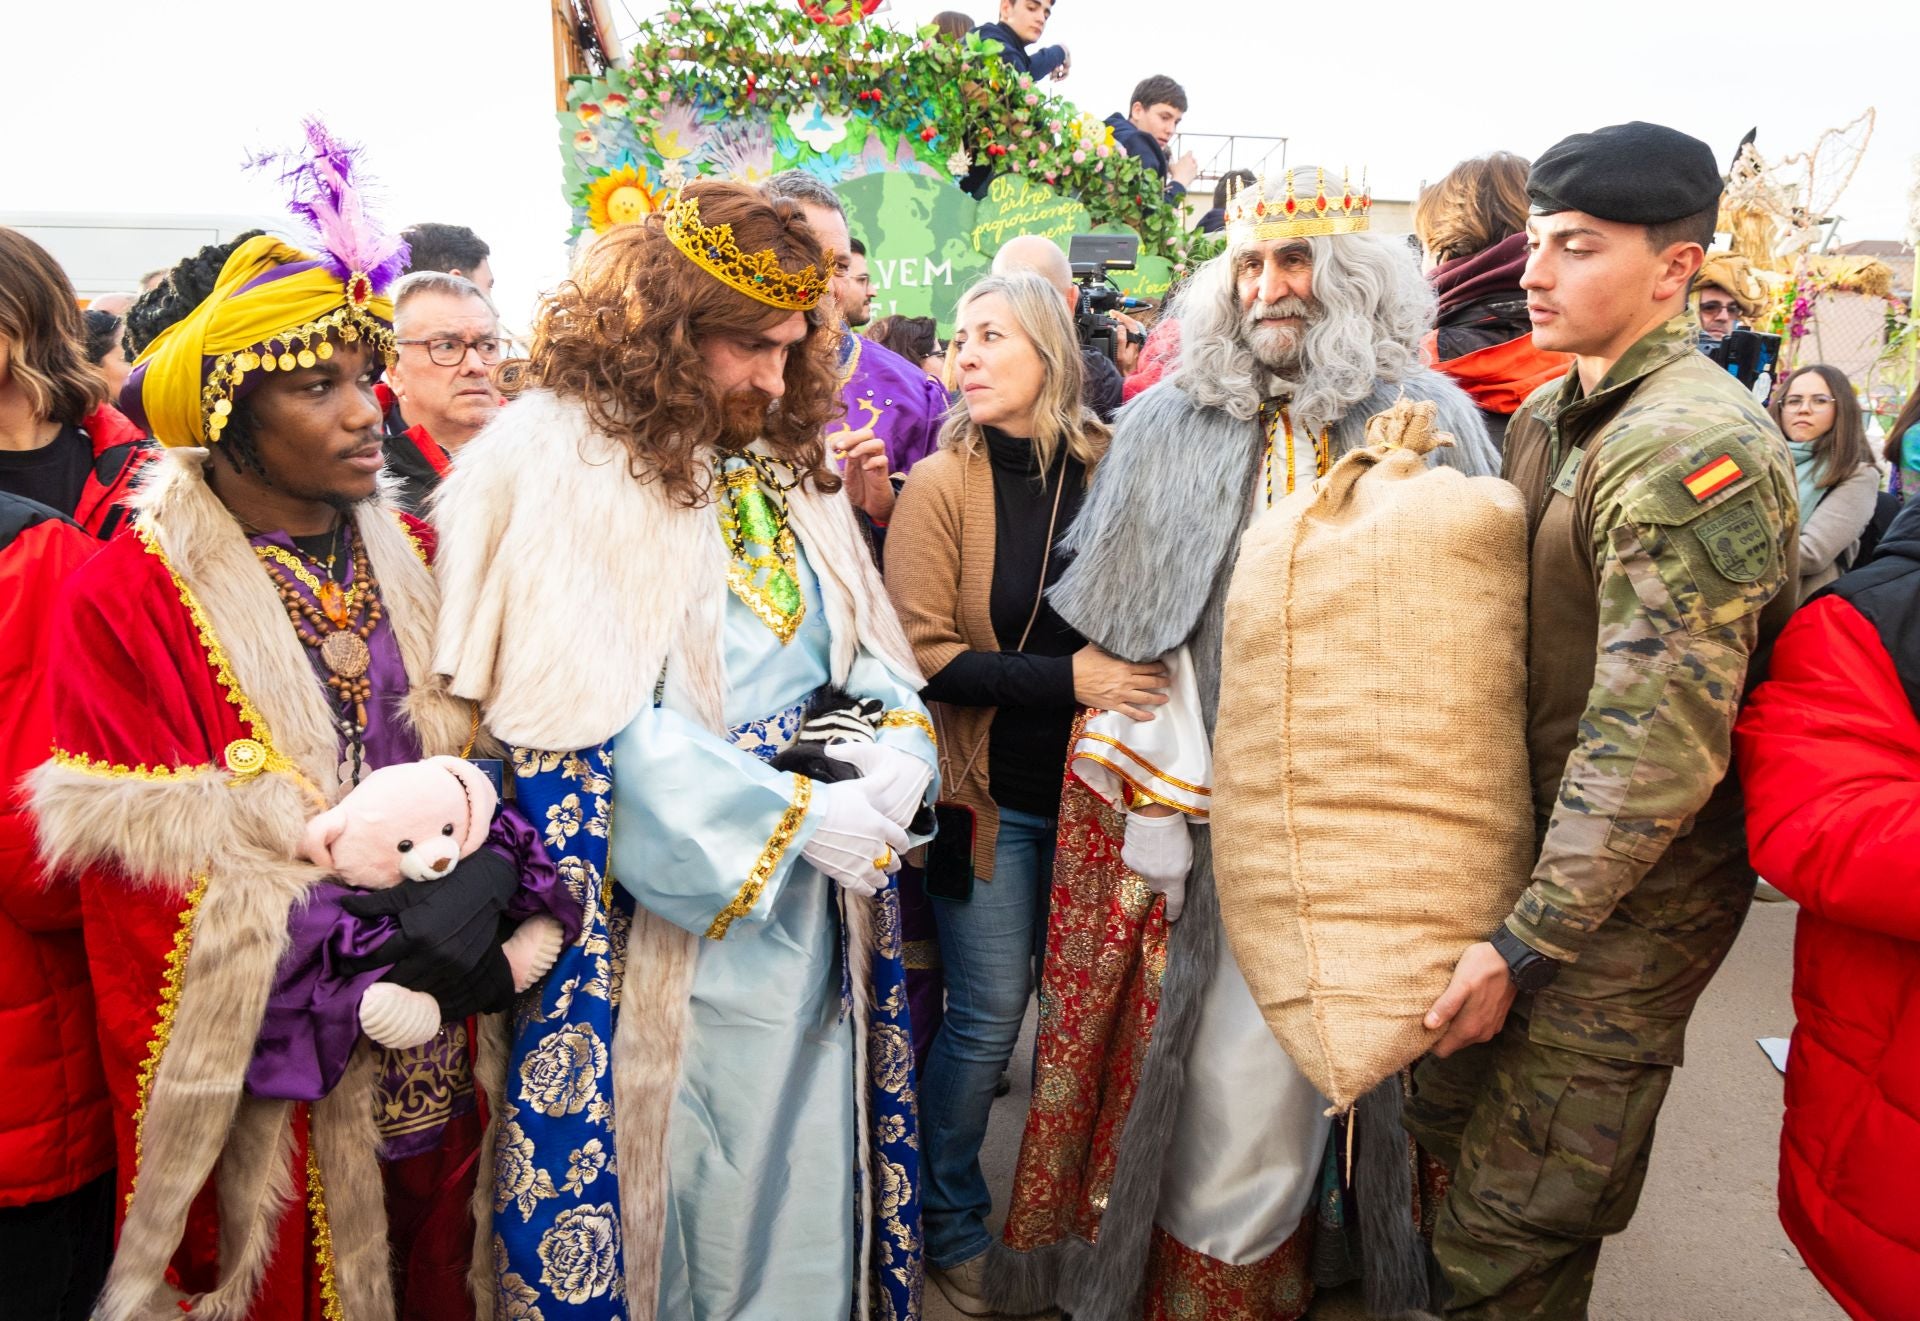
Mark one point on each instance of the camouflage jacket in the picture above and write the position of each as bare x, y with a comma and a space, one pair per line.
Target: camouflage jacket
1664, 520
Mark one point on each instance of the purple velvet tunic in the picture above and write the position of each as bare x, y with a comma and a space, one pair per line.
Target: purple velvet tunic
313, 1014
902, 404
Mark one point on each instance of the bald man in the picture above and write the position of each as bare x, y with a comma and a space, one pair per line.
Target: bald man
1102, 383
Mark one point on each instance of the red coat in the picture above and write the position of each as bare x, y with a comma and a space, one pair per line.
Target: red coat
56, 1132
121, 452
1829, 754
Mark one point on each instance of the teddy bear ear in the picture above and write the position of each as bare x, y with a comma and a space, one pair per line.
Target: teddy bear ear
321, 834
480, 795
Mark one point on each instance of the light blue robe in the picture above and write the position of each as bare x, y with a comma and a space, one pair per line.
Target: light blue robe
762, 1145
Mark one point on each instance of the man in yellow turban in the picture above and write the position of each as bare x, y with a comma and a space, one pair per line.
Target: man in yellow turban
223, 671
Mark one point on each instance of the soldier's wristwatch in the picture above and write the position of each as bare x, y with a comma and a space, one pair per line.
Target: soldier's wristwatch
1530, 969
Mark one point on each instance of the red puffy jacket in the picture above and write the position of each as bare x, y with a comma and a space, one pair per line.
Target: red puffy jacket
56, 1131
1829, 751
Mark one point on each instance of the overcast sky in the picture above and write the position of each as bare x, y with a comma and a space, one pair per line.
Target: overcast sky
139, 106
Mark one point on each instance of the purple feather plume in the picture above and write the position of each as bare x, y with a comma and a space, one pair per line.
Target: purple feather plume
323, 193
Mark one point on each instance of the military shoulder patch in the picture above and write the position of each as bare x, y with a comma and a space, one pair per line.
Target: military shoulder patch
1712, 477
1736, 539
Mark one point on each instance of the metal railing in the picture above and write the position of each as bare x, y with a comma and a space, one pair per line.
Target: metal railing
1221, 153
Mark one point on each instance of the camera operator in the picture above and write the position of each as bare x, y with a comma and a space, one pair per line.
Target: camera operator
1105, 371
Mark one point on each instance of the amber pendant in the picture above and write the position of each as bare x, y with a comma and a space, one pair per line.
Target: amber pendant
345, 653
333, 604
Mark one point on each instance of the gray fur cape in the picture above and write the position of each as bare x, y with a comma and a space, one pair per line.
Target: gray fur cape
1154, 548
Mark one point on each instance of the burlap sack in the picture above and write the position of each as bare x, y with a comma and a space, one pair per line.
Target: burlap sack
1371, 816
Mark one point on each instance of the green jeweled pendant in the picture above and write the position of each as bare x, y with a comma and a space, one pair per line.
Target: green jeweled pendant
754, 512
784, 592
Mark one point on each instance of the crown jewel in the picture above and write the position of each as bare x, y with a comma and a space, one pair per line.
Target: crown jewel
1262, 213
758, 275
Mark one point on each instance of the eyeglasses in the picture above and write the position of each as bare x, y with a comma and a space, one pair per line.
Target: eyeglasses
1806, 401
453, 352
1715, 309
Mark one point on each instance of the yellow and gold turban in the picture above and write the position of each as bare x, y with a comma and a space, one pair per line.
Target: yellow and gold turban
274, 308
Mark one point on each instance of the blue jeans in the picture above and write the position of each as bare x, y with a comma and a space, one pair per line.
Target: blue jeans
991, 948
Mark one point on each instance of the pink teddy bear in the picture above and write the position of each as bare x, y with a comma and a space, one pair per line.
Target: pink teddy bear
407, 830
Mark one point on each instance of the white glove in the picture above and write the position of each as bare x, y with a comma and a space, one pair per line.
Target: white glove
894, 781
1159, 851
398, 1018
533, 950
853, 843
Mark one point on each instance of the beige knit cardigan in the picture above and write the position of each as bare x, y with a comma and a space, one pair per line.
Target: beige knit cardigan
939, 569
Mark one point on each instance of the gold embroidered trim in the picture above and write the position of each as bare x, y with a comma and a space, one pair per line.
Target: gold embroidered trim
763, 868
322, 1233
170, 985
1139, 788
246, 765
79, 761
901, 718
1153, 770
419, 547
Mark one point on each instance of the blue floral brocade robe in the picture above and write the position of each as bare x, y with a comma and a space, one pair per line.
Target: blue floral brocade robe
762, 1148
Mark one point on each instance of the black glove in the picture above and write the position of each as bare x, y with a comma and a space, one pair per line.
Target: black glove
450, 932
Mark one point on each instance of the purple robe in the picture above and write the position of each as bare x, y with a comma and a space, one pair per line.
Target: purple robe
313, 1014
902, 404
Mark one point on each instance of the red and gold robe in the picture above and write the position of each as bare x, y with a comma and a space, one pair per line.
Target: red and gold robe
192, 741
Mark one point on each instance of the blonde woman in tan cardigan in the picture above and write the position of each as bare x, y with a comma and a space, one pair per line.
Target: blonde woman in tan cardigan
973, 540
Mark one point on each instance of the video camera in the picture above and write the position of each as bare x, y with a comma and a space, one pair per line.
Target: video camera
1091, 256
1748, 356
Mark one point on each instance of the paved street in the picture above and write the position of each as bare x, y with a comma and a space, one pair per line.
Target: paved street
1706, 1245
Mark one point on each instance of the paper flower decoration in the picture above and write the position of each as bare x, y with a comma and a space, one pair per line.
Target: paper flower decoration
620, 198
815, 127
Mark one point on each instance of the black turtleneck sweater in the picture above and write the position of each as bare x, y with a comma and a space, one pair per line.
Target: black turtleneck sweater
1032, 685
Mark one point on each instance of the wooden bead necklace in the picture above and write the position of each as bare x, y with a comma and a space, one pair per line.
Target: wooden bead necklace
336, 624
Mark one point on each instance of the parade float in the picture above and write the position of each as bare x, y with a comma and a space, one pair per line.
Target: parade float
938, 148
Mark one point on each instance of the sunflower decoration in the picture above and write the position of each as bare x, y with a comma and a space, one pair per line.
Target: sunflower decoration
620, 197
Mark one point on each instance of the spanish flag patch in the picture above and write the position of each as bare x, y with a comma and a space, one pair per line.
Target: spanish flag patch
1716, 476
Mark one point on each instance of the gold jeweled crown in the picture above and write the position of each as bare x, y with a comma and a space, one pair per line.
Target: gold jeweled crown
758, 275
1257, 213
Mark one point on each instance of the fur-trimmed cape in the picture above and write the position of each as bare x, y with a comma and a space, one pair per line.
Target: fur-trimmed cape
542, 521
192, 743
1154, 548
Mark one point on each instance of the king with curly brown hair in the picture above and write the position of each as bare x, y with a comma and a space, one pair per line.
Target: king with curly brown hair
649, 573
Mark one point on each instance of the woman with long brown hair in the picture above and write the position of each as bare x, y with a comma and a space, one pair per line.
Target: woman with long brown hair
62, 443
1816, 410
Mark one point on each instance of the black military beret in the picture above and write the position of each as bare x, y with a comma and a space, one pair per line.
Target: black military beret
1636, 174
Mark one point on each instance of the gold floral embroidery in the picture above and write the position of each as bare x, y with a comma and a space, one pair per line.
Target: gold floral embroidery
904, 719
579, 1255
170, 985
563, 821
427, 1080
529, 762
557, 1077
889, 1057
519, 1301
322, 1238
517, 1181
575, 767
763, 868
584, 1165
79, 761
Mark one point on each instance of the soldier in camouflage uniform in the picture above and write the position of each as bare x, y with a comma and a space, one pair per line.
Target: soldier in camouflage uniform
1663, 515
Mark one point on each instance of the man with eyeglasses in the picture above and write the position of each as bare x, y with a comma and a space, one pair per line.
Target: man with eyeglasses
1725, 294
449, 342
